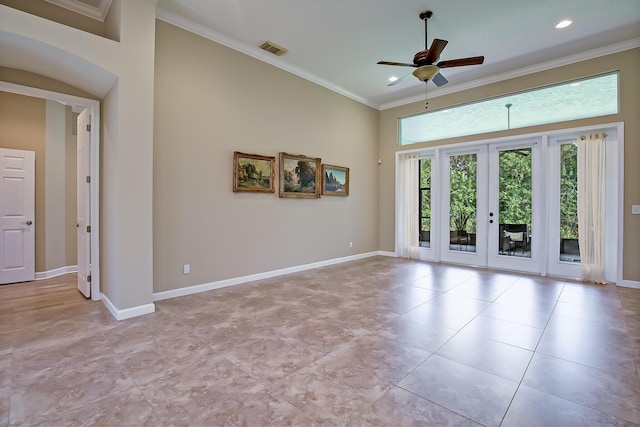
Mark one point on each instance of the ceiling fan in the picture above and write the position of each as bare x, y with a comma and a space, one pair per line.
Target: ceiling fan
427, 62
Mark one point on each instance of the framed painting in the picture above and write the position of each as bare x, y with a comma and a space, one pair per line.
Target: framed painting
253, 173
335, 180
299, 176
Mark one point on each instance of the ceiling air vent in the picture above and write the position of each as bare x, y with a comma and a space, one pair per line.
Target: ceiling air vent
273, 48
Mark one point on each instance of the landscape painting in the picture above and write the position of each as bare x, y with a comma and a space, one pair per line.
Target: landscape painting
335, 180
299, 176
253, 173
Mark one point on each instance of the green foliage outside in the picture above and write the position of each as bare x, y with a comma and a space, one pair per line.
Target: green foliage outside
462, 199
515, 197
425, 194
515, 187
568, 191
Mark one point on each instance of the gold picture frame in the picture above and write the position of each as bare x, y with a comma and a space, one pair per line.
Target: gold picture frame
299, 176
253, 173
335, 180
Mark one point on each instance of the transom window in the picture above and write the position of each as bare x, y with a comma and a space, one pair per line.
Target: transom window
578, 99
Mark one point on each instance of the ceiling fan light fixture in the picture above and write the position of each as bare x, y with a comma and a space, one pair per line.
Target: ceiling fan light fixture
564, 23
426, 72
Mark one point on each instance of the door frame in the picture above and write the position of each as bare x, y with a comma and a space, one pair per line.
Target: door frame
94, 188
616, 161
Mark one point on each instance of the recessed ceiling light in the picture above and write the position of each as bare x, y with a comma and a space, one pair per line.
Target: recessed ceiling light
575, 84
393, 78
564, 23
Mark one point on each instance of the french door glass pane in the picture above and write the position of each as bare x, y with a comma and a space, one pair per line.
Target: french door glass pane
569, 247
462, 202
515, 202
424, 210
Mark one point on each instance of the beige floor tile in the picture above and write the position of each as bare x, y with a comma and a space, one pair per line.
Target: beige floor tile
377, 341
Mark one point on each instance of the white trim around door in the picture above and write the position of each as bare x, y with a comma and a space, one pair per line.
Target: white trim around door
544, 246
93, 106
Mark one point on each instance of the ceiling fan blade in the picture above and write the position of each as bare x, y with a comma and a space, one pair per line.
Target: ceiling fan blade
461, 62
402, 64
437, 45
399, 79
439, 80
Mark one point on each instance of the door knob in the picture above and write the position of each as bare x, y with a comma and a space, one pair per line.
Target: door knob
28, 222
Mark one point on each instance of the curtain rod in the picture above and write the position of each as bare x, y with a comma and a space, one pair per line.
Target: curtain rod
582, 137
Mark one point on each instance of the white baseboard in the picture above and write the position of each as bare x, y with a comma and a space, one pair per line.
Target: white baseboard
127, 313
174, 293
386, 253
629, 284
56, 272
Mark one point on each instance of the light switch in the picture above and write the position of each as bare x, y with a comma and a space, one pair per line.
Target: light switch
635, 209
186, 269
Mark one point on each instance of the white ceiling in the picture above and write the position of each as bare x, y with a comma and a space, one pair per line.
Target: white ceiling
337, 43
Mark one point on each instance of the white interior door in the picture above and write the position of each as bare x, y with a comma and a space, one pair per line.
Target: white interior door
17, 216
83, 222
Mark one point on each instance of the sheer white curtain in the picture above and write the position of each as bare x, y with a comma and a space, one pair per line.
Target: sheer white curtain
408, 201
591, 206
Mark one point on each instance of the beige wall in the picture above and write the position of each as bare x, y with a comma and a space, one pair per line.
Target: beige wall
55, 200
34, 124
211, 101
24, 78
126, 226
627, 62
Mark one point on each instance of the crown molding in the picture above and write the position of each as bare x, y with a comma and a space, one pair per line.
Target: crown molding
254, 52
99, 13
259, 54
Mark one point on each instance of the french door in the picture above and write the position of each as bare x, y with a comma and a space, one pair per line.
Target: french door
563, 249
463, 227
491, 206
511, 204
515, 206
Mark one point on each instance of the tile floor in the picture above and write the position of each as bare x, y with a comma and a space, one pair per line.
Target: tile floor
375, 342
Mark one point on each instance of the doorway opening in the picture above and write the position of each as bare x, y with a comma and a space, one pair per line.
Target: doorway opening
90, 188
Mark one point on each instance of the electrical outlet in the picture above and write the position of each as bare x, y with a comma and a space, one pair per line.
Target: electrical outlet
635, 209
186, 269
350, 244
